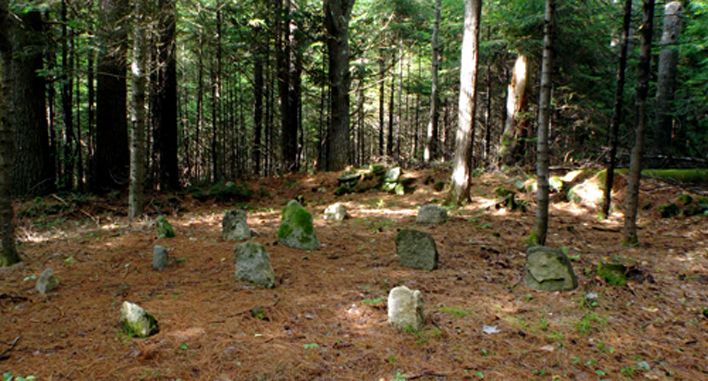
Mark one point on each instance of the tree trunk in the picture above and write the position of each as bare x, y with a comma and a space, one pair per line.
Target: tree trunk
112, 157
391, 107
666, 83
165, 99
8, 250
139, 82
288, 84
67, 103
640, 120
382, 95
33, 167
617, 110
515, 126
257, 110
540, 229
464, 139
431, 139
216, 101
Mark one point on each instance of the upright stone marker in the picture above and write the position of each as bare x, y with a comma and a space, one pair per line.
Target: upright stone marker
548, 269
417, 250
253, 264
136, 321
160, 259
234, 226
336, 212
405, 308
431, 214
47, 282
296, 229
163, 228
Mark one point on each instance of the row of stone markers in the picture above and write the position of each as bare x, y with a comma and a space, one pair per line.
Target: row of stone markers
546, 268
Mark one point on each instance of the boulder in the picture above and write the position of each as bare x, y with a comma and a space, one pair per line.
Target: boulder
392, 175
431, 214
163, 228
160, 260
336, 212
405, 309
47, 282
136, 321
296, 229
417, 249
234, 226
253, 264
548, 269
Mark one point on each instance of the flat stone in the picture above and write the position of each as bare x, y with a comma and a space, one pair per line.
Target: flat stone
431, 214
548, 269
417, 249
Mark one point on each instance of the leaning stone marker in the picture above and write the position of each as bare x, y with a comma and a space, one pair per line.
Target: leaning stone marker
159, 258
417, 250
234, 226
253, 264
47, 282
163, 228
296, 229
431, 214
336, 212
136, 321
548, 269
405, 308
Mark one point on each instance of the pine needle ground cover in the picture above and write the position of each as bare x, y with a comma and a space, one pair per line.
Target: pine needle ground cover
326, 318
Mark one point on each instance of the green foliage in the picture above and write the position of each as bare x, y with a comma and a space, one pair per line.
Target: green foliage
7, 376
669, 210
613, 273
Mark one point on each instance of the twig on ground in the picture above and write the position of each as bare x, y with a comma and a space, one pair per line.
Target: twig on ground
4, 355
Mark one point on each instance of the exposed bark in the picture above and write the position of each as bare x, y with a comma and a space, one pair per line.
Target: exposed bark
540, 229
257, 110
640, 121
8, 250
33, 172
112, 157
617, 110
515, 124
391, 107
467, 105
216, 101
139, 130
431, 139
165, 99
666, 82
382, 94
289, 71
67, 79
337, 15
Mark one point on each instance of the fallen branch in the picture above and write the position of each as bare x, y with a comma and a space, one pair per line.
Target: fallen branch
5, 354
426, 374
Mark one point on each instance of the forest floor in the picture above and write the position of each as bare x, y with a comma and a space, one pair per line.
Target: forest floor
327, 320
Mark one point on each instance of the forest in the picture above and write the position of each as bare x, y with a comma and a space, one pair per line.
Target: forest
580, 125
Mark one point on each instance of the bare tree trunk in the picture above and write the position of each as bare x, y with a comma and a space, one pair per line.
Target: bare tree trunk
67, 178
640, 121
515, 126
431, 141
464, 139
257, 111
617, 110
139, 83
666, 83
288, 84
540, 229
8, 250
382, 93
391, 107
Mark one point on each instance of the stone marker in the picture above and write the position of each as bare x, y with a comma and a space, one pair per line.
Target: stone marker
417, 250
234, 226
136, 321
296, 229
548, 269
405, 308
163, 228
253, 264
336, 212
159, 258
47, 282
431, 214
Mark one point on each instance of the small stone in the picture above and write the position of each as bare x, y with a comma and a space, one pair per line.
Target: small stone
392, 175
431, 214
548, 269
296, 229
336, 212
159, 258
163, 228
417, 250
234, 226
405, 308
136, 321
253, 264
47, 282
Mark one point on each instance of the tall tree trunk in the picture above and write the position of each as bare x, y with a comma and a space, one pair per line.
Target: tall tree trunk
288, 82
199, 157
382, 94
640, 121
257, 110
216, 101
67, 103
165, 99
540, 229
391, 107
33, 167
666, 83
139, 82
112, 157
617, 110
337, 15
91, 116
464, 139
8, 250
515, 125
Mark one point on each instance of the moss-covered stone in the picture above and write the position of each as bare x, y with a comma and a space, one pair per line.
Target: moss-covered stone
296, 229
137, 322
613, 273
549, 269
163, 229
669, 210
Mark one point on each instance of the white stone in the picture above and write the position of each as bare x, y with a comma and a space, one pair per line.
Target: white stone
336, 212
405, 308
